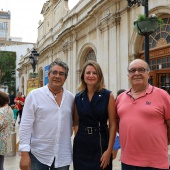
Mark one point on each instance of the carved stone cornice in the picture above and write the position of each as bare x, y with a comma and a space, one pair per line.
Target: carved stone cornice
54, 1
68, 45
109, 21
117, 18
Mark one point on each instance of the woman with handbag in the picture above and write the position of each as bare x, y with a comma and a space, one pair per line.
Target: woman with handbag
94, 106
6, 120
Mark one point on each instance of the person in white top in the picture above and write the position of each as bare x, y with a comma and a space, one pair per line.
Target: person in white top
46, 127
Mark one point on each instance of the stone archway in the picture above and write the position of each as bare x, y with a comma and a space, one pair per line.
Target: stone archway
87, 52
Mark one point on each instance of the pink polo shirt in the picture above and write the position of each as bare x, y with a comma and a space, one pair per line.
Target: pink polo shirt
142, 128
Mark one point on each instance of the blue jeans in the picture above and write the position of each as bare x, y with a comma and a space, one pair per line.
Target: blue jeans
131, 167
116, 145
37, 165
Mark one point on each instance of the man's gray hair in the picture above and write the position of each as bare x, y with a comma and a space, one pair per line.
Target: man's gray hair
59, 63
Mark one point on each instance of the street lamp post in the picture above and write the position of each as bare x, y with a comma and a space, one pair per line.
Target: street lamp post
33, 59
145, 4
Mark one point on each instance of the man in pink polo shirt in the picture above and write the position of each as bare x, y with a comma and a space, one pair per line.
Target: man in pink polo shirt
144, 122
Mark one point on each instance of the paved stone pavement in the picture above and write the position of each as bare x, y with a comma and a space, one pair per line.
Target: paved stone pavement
12, 163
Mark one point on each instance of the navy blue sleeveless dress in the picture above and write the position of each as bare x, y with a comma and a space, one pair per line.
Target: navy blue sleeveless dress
91, 140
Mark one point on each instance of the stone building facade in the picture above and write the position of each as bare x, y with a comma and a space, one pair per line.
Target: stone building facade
101, 30
5, 24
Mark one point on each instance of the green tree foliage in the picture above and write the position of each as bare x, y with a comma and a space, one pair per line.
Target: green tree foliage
7, 65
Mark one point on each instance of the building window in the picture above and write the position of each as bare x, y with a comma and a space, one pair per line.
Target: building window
161, 36
4, 25
91, 55
160, 63
3, 29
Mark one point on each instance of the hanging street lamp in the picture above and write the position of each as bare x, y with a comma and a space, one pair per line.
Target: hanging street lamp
33, 58
145, 4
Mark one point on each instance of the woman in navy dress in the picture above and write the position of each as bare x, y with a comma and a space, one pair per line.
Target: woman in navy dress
94, 107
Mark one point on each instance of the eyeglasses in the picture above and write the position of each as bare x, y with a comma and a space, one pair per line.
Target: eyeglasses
55, 73
140, 70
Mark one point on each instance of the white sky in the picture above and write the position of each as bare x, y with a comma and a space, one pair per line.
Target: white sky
25, 15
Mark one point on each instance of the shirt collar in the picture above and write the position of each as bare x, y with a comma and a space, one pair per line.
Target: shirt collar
148, 90
48, 91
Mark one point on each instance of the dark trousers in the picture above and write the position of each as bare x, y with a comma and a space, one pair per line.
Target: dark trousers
131, 167
19, 113
1, 162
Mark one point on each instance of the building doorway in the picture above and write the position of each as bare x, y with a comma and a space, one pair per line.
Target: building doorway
160, 78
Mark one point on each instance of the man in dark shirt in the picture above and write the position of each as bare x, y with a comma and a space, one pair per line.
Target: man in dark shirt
12, 97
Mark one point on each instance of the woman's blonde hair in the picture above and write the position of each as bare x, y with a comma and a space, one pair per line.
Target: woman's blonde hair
100, 84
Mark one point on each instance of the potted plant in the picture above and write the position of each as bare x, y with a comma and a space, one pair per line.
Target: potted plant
147, 25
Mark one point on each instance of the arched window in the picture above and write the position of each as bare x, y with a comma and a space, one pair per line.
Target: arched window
91, 55
160, 38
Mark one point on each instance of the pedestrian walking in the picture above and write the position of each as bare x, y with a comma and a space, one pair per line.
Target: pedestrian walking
6, 120
15, 112
19, 101
11, 98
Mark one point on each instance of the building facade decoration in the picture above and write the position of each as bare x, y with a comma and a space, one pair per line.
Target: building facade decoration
101, 30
